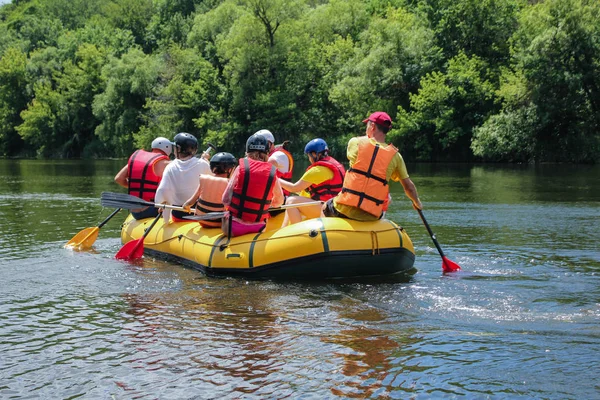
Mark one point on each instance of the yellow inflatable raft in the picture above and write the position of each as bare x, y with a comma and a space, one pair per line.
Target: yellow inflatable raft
312, 249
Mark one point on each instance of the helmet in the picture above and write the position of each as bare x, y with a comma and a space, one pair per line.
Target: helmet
223, 160
163, 144
186, 143
267, 135
317, 145
257, 142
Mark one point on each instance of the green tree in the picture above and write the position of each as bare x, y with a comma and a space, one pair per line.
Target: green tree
445, 110
553, 87
392, 55
59, 121
186, 98
13, 81
475, 27
119, 108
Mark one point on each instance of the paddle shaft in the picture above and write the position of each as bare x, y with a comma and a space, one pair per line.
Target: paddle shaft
435, 242
108, 218
221, 214
122, 200
131, 202
147, 231
447, 265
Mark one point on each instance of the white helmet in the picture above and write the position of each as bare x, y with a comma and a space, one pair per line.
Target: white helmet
267, 135
163, 144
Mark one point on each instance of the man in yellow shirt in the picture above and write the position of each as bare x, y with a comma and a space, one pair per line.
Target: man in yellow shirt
373, 163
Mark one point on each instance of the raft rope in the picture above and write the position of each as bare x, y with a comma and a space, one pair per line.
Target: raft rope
374, 243
374, 238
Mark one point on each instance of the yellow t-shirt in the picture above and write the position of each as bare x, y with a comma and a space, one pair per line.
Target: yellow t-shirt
316, 175
396, 171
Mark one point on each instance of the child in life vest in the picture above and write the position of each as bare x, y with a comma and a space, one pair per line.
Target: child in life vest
252, 190
209, 194
322, 180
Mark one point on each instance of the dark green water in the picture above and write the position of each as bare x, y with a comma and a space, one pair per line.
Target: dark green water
521, 321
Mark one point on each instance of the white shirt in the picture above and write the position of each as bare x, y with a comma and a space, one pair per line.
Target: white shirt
180, 181
281, 161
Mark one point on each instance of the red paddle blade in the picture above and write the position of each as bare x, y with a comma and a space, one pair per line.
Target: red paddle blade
449, 266
131, 250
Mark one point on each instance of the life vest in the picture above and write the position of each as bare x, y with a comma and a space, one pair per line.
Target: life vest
330, 188
253, 190
285, 175
211, 193
143, 182
365, 185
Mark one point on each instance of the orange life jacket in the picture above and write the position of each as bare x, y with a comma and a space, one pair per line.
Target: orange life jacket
365, 185
253, 190
330, 188
211, 193
143, 182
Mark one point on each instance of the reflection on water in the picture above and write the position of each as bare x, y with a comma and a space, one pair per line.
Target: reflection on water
521, 321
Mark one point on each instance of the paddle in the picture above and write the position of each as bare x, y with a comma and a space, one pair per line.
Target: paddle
447, 265
221, 214
129, 202
134, 249
122, 200
86, 237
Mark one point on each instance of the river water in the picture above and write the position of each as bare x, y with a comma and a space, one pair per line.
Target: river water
521, 321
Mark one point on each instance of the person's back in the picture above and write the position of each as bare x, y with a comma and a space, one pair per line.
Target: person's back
208, 197
253, 189
143, 172
373, 163
330, 172
180, 178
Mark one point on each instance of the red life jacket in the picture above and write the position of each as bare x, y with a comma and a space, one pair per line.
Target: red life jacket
330, 188
253, 190
143, 182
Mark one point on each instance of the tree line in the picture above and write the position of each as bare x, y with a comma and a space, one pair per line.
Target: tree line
464, 80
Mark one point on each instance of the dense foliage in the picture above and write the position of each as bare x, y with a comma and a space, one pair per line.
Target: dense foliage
491, 80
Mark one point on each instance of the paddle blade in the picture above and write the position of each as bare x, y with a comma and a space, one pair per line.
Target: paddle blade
449, 266
131, 250
84, 239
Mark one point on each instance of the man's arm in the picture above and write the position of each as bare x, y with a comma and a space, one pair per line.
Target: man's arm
122, 177
278, 197
228, 193
411, 191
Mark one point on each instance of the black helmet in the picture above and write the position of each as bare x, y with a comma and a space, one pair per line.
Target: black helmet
186, 144
257, 143
223, 160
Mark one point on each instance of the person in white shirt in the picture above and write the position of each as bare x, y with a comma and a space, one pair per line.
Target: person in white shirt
180, 177
277, 156
280, 157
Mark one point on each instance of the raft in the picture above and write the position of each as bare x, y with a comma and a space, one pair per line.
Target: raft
321, 248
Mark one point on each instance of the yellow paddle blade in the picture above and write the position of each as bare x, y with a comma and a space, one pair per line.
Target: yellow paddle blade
84, 239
